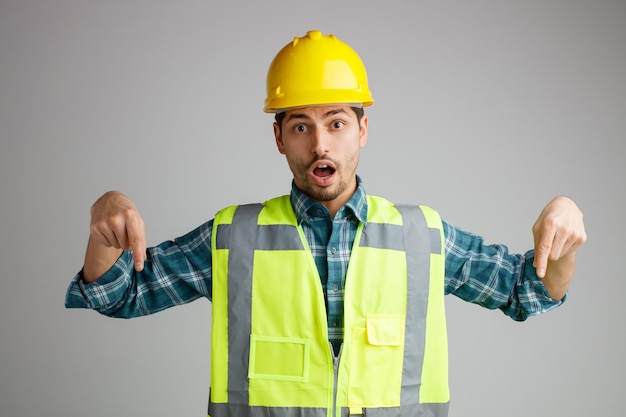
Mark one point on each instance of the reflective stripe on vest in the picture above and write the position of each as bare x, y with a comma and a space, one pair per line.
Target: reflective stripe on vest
270, 351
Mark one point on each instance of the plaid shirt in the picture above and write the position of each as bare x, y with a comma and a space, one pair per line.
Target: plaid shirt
178, 272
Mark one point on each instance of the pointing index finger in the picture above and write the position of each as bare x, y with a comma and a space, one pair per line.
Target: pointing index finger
543, 246
137, 241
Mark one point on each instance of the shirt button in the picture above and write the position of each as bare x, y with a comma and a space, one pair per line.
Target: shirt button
335, 287
333, 250
334, 323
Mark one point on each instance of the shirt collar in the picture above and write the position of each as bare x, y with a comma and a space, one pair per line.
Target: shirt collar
357, 205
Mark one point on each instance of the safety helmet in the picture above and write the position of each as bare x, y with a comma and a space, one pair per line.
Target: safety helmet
316, 69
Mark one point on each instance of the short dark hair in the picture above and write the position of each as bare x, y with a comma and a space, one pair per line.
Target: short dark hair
280, 116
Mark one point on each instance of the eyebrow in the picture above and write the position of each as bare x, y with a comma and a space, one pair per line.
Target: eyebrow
329, 113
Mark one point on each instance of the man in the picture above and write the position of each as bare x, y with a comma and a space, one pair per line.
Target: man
328, 301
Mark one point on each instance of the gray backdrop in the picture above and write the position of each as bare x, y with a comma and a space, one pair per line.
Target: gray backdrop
484, 110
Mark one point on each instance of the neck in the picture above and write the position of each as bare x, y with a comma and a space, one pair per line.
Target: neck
333, 206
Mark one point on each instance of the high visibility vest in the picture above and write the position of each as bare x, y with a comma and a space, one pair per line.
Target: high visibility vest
270, 351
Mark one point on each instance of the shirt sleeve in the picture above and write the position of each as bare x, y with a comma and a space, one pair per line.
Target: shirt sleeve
175, 272
488, 275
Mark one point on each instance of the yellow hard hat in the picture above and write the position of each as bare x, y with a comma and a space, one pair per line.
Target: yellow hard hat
316, 69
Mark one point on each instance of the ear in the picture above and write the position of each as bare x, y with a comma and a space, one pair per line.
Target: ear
363, 130
279, 139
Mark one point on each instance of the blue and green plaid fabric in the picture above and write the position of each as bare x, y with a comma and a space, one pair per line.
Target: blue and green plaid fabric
179, 271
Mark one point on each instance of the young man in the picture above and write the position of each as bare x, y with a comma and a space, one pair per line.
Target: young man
328, 301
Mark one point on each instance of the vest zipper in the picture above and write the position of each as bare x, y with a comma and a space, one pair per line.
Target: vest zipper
335, 376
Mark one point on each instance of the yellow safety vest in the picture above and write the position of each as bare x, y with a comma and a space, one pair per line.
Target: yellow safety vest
270, 351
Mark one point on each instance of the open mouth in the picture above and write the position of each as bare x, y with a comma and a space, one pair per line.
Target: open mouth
323, 171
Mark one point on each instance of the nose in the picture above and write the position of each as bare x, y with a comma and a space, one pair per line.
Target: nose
321, 142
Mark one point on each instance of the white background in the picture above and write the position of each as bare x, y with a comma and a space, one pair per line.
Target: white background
484, 110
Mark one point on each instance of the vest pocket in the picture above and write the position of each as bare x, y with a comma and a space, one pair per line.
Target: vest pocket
385, 329
279, 358
377, 352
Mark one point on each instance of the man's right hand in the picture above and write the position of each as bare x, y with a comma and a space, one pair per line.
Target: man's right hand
116, 225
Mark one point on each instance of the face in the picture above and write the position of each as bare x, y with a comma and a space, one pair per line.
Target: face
322, 146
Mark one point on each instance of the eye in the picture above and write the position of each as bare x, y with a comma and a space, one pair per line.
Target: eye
337, 124
300, 128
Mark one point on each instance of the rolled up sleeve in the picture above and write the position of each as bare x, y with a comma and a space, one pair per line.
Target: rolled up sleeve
490, 276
